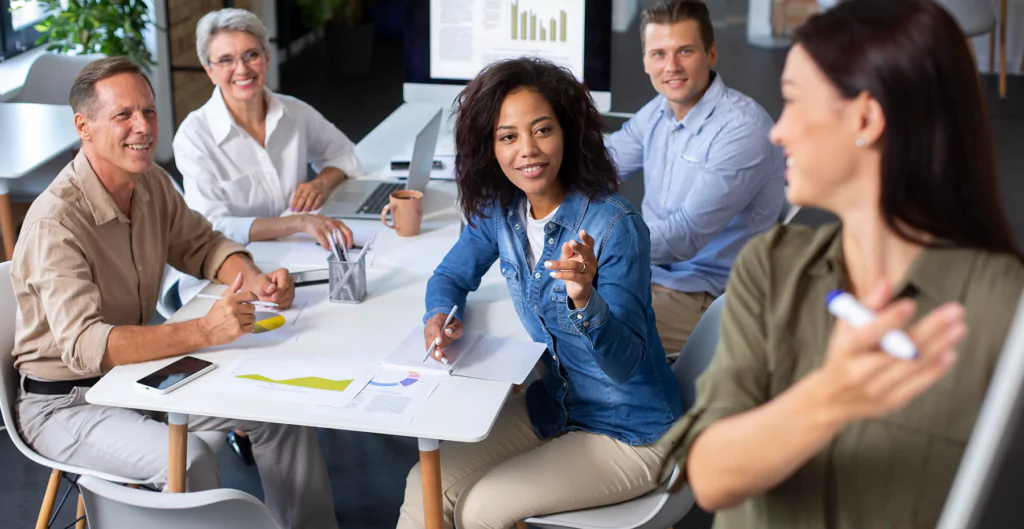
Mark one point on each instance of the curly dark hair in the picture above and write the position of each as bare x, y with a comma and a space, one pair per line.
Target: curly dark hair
586, 168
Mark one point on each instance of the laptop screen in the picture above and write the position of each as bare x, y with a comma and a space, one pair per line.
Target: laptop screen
423, 154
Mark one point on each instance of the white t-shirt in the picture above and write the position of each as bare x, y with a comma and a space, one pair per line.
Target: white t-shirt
535, 233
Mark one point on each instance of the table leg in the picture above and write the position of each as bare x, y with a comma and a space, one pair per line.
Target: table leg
1002, 49
430, 471
177, 426
6, 222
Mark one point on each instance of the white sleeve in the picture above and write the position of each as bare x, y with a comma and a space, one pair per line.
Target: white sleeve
329, 147
201, 195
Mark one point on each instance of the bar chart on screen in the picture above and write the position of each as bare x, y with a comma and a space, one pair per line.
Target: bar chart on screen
466, 35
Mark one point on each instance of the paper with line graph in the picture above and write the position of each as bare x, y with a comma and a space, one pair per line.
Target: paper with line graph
305, 378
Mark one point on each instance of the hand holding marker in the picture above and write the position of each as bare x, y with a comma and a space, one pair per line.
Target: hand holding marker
846, 307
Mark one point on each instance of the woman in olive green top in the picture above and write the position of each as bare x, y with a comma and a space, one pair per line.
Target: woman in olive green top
802, 421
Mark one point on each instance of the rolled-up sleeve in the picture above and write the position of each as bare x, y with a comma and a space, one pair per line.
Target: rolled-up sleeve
737, 379
204, 195
57, 274
327, 146
740, 161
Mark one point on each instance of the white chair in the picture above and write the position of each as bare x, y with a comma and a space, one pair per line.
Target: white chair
111, 506
9, 383
976, 17
48, 81
657, 509
50, 78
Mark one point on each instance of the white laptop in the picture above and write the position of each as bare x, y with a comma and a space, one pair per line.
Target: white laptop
364, 199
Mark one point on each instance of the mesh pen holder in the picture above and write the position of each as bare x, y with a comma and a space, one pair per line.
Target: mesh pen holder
347, 280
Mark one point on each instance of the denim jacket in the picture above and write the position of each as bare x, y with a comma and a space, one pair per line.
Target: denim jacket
605, 368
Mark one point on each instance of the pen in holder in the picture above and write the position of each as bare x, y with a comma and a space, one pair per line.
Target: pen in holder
347, 279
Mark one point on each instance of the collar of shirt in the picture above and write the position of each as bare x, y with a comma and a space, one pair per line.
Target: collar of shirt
222, 122
939, 271
101, 204
569, 214
700, 112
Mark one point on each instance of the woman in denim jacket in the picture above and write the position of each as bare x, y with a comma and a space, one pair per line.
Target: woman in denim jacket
537, 187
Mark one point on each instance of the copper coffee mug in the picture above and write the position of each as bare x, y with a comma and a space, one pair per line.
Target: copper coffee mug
406, 207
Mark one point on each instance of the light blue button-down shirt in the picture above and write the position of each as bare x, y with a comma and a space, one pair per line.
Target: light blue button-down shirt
711, 182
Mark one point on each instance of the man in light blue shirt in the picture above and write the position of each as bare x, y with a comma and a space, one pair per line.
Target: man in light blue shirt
712, 180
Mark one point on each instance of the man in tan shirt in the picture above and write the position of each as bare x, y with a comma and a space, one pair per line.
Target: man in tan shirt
87, 275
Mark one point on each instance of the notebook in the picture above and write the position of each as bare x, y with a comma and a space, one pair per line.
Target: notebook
475, 355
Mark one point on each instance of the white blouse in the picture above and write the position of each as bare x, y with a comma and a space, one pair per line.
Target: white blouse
232, 180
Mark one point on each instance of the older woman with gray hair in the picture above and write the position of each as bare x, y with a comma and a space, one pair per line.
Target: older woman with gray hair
244, 153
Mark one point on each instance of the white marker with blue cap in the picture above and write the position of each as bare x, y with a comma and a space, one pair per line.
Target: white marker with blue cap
846, 307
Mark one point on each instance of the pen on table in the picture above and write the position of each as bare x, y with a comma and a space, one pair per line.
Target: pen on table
437, 341
256, 303
846, 307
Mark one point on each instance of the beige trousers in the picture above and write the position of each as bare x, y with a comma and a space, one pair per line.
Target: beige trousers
676, 314
134, 444
513, 475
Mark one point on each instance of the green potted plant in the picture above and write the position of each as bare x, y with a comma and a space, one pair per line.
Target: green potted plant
349, 37
315, 12
110, 27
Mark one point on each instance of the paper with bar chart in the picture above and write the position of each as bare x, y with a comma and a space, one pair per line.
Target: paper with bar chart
466, 35
305, 378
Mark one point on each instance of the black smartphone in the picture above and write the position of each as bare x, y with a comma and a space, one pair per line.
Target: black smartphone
176, 374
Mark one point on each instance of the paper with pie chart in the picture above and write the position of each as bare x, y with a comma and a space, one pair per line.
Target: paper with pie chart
310, 379
394, 395
274, 328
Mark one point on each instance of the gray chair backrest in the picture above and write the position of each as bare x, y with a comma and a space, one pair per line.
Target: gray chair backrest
10, 379
111, 506
975, 17
8, 375
698, 351
50, 78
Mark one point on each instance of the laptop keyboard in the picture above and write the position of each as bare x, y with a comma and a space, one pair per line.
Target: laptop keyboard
380, 196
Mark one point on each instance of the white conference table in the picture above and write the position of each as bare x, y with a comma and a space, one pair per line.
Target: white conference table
31, 134
460, 409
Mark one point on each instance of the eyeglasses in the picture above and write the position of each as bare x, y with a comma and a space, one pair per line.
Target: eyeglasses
251, 58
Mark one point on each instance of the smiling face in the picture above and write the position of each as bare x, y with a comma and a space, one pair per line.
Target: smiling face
120, 131
238, 65
819, 131
678, 63
528, 143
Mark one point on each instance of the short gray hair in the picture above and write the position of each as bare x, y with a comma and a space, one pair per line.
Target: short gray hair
228, 19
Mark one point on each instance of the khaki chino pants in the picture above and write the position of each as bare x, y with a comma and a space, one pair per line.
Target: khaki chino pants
676, 314
513, 475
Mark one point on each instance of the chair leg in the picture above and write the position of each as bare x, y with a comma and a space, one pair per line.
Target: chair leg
970, 48
992, 51
80, 513
49, 499
1002, 49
